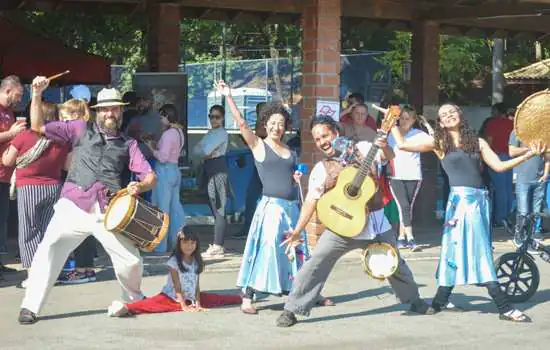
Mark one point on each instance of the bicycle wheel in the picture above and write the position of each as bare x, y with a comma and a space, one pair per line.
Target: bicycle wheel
518, 276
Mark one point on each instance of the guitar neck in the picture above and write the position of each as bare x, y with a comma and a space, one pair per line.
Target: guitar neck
367, 163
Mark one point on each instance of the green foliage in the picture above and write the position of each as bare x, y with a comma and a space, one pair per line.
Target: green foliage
464, 61
118, 38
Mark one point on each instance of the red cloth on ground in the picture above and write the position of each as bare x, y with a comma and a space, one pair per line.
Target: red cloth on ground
46, 170
370, 121
163, 303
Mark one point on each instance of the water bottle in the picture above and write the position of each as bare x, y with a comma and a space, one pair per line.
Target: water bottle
303, 168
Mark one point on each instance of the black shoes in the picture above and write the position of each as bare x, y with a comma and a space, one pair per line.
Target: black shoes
286, 319
27, 317
420, 307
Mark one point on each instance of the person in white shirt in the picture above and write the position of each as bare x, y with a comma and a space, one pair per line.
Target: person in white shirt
405, 173
212, 148
311, 278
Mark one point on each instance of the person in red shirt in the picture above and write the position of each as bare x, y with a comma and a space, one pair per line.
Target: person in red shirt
351, 101
496, 131
37, 178
11, 92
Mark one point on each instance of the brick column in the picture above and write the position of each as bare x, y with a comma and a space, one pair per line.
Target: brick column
163, 37
425, 64
321, 64
424, 93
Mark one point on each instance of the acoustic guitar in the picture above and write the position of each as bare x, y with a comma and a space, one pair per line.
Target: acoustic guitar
343, 209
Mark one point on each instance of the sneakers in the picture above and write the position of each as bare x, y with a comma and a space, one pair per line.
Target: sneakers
74, 277
286, 319
420, 307
91, 276
117, 309
214, 251
412, 246
27, 317
402, 244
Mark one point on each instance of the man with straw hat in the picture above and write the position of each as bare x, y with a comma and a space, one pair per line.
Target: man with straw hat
100, 154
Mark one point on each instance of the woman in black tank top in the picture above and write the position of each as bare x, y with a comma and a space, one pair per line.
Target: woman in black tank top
467, 226
265, 266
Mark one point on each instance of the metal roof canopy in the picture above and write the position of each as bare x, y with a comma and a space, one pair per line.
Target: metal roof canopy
493, 18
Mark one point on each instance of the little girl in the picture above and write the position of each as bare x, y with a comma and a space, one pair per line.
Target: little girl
181, 292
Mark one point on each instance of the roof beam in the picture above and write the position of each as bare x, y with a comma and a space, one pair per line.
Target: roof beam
484, 11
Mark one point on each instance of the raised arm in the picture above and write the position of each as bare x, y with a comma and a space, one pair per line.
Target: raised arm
426, 144
249, 137
39, 84
494, 162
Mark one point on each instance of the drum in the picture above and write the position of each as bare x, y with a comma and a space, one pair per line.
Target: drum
380, 260
137, 220
314, 230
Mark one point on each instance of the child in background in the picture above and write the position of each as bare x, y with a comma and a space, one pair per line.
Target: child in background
182, 291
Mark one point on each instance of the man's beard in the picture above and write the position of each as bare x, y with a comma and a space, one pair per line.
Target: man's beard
109, 124
12, 103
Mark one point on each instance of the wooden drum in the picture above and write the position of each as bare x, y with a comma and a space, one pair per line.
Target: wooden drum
137, 220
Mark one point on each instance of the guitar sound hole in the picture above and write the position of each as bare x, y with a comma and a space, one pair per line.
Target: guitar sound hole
351, 191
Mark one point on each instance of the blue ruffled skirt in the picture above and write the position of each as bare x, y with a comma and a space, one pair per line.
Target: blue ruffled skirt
265, 267
466, 254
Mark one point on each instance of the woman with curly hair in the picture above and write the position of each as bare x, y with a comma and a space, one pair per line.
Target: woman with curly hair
265, 267
466, 253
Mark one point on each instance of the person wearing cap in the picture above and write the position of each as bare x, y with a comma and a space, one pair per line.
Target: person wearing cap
100, 153
81, 92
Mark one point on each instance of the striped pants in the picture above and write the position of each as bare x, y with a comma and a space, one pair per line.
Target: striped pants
35, 208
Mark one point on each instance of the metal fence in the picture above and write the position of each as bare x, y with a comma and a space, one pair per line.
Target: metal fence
276, 79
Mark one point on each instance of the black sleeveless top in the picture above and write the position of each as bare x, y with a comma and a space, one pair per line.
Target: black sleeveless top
463, 169
276, 174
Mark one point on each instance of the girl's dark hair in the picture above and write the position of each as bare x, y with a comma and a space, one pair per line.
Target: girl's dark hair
324, 120
178, 254
272, 108
469, 141
170, 112
218, 108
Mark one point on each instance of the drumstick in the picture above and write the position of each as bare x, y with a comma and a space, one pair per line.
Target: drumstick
59, 75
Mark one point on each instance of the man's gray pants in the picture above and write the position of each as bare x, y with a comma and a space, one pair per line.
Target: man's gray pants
312, 276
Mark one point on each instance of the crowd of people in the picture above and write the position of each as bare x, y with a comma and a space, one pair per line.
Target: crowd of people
64, 163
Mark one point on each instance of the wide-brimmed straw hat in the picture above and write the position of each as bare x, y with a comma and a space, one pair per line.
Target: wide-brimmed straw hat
108, 98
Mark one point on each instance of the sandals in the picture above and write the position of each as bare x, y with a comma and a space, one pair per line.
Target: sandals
249, 310
515, 316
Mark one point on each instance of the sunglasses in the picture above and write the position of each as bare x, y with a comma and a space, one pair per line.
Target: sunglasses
215, 116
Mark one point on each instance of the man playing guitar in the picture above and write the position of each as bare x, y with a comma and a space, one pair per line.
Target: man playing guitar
310, 279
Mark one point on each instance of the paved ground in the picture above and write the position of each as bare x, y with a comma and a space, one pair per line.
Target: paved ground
366, 316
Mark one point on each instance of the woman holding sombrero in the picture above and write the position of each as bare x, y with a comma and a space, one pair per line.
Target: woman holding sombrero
466, 253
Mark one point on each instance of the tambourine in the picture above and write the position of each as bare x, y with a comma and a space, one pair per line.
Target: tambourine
380, 260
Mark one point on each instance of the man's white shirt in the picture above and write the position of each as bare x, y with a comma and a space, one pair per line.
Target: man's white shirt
377, 222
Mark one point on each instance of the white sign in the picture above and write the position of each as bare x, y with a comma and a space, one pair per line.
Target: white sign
328, 108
